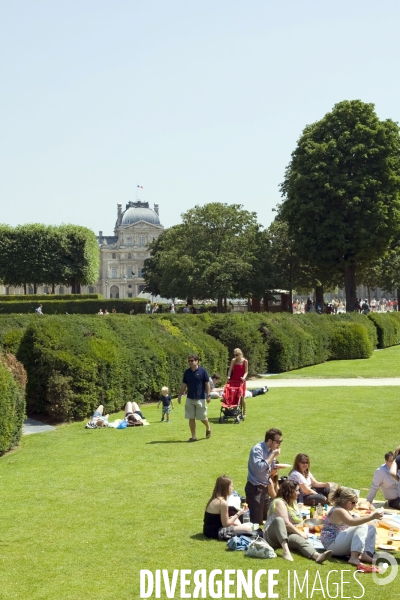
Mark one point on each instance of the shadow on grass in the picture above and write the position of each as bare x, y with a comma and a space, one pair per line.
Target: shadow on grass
201, 538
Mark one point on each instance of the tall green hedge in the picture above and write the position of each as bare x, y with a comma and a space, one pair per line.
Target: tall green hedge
75, 306
76, 362
40, 297
387, 328
12, 405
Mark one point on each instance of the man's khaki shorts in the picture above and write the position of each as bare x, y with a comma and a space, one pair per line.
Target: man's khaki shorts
195, 409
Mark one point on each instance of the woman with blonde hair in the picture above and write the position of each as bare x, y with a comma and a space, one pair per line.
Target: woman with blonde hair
218, 524
238, 370
346, 535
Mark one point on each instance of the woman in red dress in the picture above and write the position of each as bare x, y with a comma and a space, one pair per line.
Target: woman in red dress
238, 370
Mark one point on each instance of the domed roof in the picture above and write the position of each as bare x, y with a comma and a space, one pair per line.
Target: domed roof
139, 211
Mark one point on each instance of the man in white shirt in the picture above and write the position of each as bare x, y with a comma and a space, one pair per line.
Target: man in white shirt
385, 483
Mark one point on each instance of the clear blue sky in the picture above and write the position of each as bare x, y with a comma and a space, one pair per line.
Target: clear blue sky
197, 100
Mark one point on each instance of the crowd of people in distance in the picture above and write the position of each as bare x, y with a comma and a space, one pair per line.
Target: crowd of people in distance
278, 502
337, 305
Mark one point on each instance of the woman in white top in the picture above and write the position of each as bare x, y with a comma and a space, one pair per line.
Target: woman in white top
312, 491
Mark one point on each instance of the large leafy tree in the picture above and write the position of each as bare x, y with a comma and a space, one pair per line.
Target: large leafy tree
342, 191
41, 254
211, 254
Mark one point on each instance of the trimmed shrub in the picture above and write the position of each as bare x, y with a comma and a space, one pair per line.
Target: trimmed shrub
76, 362
12, 401
350, 340
41, 297
244, 332
75, 306
387, 327
362, 319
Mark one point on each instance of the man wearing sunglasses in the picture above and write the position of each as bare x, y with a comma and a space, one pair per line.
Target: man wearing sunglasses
196, 381
261, 462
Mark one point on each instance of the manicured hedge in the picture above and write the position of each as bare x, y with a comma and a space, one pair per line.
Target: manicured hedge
76, 362
75, 306
12, 402
350, 340
387, 327
40, 297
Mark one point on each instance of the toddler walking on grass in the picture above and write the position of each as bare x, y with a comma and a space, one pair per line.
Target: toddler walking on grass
167, 403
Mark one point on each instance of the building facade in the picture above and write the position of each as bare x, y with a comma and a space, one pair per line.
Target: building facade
122, 255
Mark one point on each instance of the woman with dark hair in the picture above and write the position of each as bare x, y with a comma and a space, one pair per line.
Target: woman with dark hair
312, 491
217, 522
346, 535
281, 527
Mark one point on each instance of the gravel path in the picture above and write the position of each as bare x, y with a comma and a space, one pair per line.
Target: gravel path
32, 426
305, 382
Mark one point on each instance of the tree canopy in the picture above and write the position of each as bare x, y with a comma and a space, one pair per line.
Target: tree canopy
45, 254
211, 254
342, 191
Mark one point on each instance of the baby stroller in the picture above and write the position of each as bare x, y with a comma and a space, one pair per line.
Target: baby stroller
231, 407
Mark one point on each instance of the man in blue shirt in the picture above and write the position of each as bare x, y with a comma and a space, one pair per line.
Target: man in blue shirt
261, 463
196, 381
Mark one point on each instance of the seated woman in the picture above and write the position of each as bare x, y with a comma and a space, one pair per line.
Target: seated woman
280, 529
345, 535
133, 414
98, 420
237, 372
312, 491
218, 524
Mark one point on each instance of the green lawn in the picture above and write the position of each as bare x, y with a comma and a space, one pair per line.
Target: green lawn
83, 511
383, 363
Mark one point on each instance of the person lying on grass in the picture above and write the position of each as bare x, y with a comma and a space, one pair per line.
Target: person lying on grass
345, 535
218, 524
283, 519
312, 491
98, 420
133, 415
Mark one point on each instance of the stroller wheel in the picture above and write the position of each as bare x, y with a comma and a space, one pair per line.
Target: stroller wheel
221, 420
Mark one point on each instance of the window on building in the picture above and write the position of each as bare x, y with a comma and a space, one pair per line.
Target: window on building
30, 289
61, 289
129, 294
142, 241
92, 289
139, 273
129, 255
114, 272
46, 290
7, 291
129, 271
129, 241
114, 255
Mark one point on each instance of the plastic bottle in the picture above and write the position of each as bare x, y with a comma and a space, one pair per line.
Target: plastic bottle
319, 510
246, 514
312, 510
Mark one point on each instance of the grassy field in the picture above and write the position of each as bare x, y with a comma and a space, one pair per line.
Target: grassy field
383, 363
84, 510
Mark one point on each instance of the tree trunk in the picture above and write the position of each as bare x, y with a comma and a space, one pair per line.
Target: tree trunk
350, 287
266, 305
398, 299
369, 295
225, 305
53, 288
73, 285
189, 301
78, 288
291, 301
219, 304
35, 288
319, 296
255, 304
25, 289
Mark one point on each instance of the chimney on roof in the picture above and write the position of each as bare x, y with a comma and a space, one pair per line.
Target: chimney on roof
156, 209
100, 234
119, 214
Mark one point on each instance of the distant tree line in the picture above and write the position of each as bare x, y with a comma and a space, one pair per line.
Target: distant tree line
338, 224
37, 254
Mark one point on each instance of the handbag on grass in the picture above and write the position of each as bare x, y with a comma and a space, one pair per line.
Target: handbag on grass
259, 548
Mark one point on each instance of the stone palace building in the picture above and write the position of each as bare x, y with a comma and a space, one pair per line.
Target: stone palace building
121, 255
